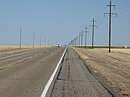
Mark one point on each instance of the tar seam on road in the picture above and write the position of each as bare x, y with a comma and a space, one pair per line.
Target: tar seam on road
52, 76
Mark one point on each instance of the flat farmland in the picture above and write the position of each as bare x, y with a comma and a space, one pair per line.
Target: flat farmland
12, 47
114, 67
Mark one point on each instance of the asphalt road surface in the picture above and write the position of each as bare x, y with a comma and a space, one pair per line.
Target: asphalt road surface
25, 73
74, 80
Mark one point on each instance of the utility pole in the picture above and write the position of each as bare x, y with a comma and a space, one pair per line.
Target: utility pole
40, 41
75, 41
79, 39
33, 38
93, 29
110, 22
85, 37
82, 32
20, 36
48, 43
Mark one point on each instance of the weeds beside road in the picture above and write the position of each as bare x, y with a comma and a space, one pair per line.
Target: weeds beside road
114, 66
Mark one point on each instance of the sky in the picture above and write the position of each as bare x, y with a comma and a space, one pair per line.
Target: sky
59, 21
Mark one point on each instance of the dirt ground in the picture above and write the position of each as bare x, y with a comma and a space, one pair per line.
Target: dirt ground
114, 66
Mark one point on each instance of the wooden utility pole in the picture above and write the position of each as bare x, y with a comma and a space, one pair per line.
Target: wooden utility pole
85, 37
110, 22
40, 41
33, 38
93, 29
79, 39
20, 37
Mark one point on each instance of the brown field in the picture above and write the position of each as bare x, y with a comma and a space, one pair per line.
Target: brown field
114, 67
7, 48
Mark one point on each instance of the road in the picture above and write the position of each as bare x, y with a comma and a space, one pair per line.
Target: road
75, 80
25, 73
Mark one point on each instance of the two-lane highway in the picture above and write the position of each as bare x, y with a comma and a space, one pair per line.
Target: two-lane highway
43, 73
25, 74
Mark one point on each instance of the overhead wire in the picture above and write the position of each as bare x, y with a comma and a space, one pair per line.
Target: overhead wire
123, 10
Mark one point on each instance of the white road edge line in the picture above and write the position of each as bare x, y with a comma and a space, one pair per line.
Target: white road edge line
52, 76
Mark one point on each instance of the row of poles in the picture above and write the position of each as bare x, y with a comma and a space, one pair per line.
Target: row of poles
82, 37
20, 41
78, 40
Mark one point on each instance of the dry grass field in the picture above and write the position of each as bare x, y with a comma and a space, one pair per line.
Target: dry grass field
114, 67
7, 48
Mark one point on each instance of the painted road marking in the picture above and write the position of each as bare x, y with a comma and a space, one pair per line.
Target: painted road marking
52, 76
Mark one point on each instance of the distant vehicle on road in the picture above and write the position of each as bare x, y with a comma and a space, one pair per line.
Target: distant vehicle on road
58, 45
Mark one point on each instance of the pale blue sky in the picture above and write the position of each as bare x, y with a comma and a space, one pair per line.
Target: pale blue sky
59, 21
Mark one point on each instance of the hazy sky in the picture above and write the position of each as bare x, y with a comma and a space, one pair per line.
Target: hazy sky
59, 21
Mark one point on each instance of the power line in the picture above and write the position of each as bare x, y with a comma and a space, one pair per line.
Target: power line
125, 17
124, 10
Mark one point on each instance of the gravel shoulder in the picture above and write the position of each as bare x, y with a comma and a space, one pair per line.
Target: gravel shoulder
114, 67
75, 80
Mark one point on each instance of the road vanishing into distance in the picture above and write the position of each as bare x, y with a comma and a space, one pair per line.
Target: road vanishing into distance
25, 73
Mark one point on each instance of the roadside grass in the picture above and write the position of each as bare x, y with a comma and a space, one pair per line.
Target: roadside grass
12, 47
113, 47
